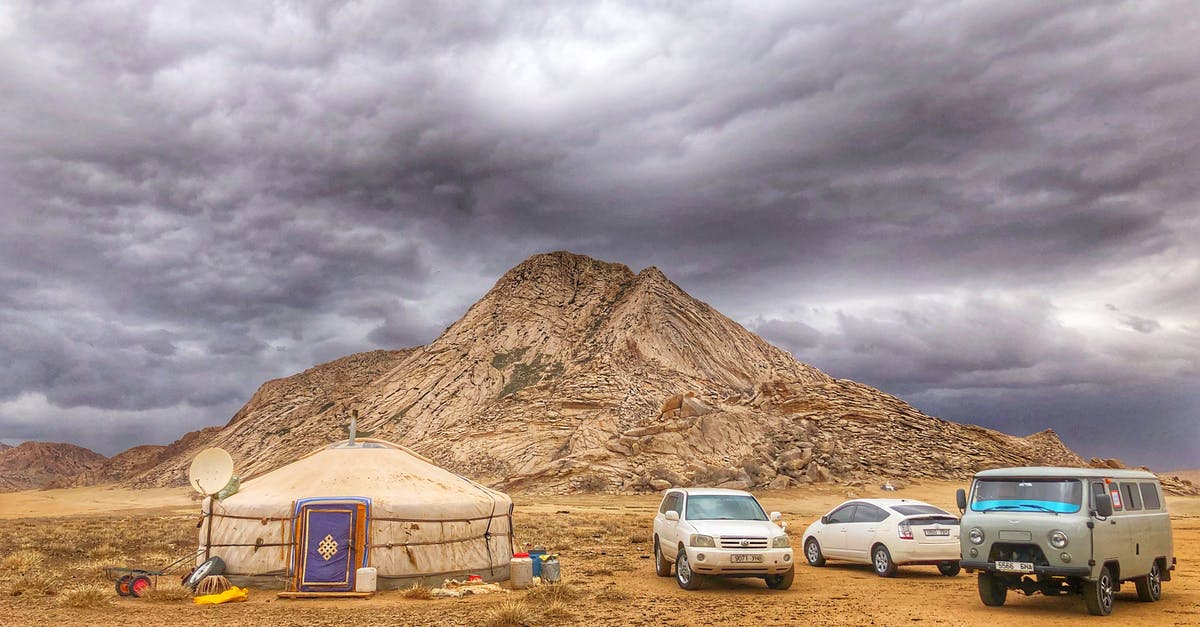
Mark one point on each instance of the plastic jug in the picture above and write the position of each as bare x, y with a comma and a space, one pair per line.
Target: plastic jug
535, 554
520, 571
365, 579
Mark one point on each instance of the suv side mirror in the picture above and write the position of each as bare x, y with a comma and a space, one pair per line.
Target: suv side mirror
672, 515
1104, 507
776, 517
961, 499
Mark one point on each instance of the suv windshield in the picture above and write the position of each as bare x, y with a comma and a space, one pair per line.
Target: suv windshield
1061, 496
723, 507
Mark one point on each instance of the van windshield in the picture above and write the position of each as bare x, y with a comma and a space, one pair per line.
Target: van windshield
1059, 496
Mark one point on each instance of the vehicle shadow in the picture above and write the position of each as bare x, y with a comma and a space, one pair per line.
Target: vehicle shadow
904, 572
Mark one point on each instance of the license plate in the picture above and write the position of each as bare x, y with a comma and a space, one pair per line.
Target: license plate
740, 558
937, 532
1015, 567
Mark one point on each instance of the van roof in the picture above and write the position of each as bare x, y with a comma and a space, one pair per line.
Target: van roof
1053, 471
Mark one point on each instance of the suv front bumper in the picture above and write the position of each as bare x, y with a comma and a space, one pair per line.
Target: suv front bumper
1053, 571
720, 561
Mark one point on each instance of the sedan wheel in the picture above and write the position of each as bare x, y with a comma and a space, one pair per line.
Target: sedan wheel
881, 559
684, 576
812, 553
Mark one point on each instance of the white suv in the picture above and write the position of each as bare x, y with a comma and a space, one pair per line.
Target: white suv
714, 532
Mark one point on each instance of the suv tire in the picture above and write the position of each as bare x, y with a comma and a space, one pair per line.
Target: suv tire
881, 561
781, 582
812, 553
1149, 586
662, 567
684, 575
1098, 594
992, 590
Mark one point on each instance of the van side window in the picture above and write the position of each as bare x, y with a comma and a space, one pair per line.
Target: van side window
1133, 496
1150, 495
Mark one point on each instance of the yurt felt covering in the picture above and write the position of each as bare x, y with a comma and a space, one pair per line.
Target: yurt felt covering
421, 523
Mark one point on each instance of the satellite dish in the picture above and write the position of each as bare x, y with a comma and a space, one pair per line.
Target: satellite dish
210, 471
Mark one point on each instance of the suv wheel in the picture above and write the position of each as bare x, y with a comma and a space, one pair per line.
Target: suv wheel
684, 576
992, 590
881, 559
662, 567
949, 569
1098, 594
781, 582
1149, 587
812, 553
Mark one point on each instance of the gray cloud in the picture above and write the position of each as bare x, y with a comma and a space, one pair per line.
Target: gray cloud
935, 199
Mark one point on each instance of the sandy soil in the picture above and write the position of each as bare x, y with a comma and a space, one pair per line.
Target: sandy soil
95, 500
604, 546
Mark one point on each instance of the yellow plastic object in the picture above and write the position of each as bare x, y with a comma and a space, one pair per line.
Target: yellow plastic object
233, 594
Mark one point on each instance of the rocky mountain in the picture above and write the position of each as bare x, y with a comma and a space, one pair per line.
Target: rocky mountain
34, 465
575, 374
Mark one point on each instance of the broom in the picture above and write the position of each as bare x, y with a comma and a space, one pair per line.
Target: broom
213, 584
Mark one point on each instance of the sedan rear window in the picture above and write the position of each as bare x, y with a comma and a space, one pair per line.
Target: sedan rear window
914, 510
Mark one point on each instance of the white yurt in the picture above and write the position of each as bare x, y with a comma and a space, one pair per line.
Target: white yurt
309, 525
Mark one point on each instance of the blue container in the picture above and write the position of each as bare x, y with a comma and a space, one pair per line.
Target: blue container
536, 554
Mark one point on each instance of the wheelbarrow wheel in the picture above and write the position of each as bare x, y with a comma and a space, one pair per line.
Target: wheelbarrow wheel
139, 586
123, 585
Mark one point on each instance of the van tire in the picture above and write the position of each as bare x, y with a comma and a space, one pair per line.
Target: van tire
992, 590
662, 567
1149, 586
1098, 594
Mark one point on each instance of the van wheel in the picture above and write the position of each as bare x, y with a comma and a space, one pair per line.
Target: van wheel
949, 569
1149, 587
881, 559
684, 576
992, 590
781, 582
812, 553
1098, 594
662, 567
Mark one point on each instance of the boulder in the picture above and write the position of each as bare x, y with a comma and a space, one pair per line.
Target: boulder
780, 482
817, 474
693, 407
660, 484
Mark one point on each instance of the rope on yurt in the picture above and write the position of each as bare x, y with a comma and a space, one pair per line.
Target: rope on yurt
487, 533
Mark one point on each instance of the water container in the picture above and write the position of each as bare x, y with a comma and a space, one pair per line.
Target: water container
550, 570
364, 579
536, 554
521, 571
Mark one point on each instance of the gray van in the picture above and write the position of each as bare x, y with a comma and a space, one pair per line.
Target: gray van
1066, 531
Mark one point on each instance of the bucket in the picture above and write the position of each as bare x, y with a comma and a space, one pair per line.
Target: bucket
536, 554
364, 579
521, 571
550, 570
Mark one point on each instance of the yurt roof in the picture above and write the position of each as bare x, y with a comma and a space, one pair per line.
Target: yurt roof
396, 479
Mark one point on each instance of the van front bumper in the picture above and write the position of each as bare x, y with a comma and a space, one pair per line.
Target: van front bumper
1053, 571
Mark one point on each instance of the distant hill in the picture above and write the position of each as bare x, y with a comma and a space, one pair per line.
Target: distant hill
33, 465
573, 374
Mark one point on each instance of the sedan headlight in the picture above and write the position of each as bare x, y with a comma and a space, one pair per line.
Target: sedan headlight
1058, 539
975, 535
781, 542
699, 539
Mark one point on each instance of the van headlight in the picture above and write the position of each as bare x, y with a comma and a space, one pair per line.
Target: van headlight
781, 542
699, 539
1058, 539
975, 535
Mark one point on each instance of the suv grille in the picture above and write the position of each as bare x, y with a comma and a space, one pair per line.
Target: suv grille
740, 542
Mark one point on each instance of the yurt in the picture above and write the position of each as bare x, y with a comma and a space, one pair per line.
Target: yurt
309, 525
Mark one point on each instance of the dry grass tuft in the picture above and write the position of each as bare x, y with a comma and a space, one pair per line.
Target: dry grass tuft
549, 593
106, 550
168, 590
613, 594
510, 613
87, 596
23, 560
212, 584
33, 584
417, 591
558, 613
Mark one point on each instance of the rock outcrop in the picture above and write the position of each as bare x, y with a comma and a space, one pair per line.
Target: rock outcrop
34, 465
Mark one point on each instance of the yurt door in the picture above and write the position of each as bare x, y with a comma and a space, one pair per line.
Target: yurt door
327, 551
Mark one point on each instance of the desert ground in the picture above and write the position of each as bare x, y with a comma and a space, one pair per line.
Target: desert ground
54, 544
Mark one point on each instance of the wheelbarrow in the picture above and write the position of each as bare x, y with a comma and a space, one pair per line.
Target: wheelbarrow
135, 582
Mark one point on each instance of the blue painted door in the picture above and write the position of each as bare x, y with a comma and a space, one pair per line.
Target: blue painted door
327, 563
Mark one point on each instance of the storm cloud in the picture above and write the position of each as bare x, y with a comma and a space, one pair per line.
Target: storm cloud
986, 208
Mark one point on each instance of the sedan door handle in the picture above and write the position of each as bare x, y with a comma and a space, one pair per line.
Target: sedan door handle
871, 530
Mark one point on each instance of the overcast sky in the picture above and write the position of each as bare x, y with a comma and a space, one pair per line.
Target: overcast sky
986, 208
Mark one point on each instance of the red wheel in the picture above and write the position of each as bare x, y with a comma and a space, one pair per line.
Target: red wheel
123, 585
139, 585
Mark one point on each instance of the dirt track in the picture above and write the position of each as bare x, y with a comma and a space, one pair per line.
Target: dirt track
605, 550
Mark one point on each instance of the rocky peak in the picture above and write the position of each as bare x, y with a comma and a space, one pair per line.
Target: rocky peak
33, 465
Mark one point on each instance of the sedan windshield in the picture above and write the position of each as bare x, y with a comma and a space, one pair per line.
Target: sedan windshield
723, 507
1059, 496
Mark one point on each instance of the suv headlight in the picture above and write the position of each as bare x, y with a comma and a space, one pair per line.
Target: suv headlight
699, 539
1058, 539
781, 542
975, 535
